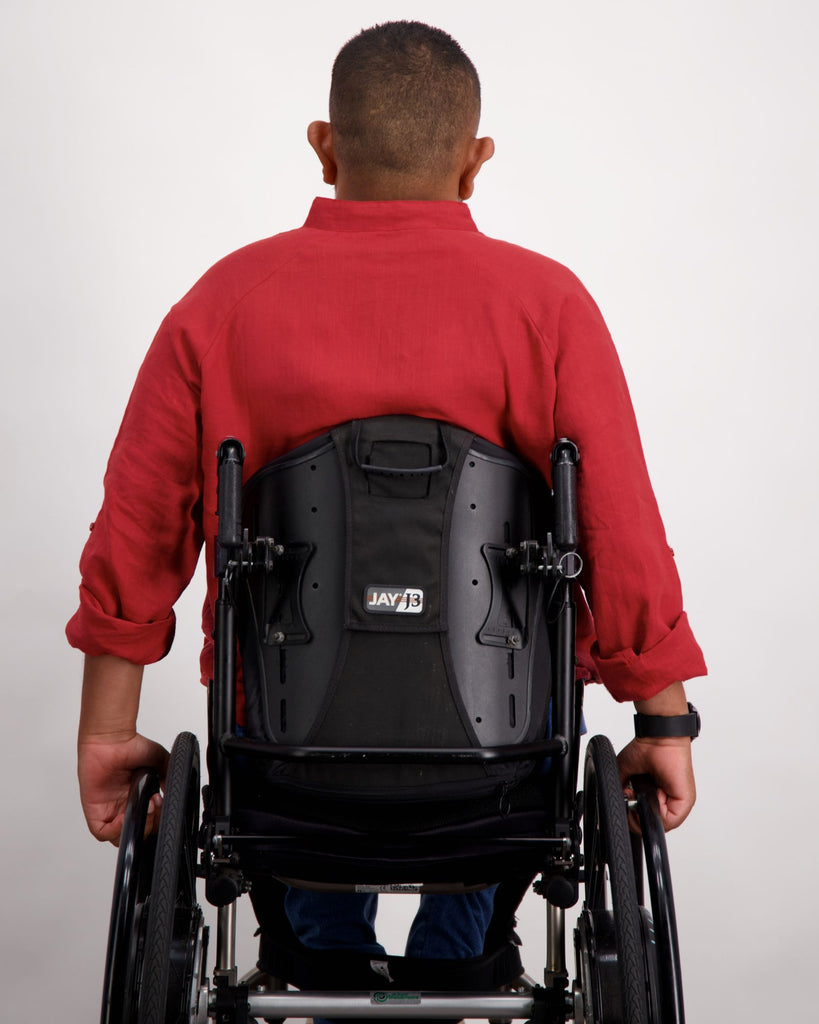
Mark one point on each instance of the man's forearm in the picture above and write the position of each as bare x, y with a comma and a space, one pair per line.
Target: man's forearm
109, 749
670, 701
111, 688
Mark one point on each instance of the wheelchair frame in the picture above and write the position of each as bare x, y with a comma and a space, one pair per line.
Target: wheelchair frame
626, 954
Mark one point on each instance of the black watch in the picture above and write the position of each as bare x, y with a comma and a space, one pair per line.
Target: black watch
659, 726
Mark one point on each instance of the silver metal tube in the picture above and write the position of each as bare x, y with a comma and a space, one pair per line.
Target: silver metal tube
555, 940
226, 937
493, 1005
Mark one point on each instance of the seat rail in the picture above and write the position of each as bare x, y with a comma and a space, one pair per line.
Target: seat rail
556, 746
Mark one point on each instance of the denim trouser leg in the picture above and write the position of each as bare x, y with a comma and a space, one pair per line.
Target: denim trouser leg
445, 927
451, 927
334, 920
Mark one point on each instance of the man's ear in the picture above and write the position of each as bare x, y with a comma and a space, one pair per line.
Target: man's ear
320, 137
480, 150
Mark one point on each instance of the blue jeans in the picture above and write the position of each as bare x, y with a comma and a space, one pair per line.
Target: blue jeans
445, 927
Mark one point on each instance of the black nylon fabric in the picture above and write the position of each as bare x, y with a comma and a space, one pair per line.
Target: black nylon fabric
392, 698
400, 474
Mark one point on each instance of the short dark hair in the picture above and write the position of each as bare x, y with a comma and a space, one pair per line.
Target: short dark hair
403, 95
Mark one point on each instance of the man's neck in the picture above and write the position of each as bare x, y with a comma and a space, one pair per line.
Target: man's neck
380, 190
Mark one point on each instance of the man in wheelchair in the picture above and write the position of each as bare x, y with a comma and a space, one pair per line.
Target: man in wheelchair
409, 381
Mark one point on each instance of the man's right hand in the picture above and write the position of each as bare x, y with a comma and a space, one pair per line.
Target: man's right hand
105, 768
109, 748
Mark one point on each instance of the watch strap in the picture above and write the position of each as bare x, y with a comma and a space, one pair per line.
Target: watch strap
662, 726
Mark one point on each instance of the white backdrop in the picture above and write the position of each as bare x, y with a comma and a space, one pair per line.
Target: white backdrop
667, 153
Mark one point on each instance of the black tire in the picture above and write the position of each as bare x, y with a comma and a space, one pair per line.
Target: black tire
609, 938
173, 937
667, 992
132, 887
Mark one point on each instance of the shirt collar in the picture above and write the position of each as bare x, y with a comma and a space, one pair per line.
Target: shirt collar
394, 215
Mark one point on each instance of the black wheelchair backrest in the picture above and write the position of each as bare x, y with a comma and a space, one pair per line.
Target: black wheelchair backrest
394, 615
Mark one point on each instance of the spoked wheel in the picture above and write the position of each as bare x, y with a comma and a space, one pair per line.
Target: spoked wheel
132, 887
664, 951
611, 963
175, 939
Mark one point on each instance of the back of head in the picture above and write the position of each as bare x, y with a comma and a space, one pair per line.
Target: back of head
404, 98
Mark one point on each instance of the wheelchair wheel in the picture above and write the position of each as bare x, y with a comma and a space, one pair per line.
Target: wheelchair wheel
132, 886
175, 939
609, 940
667, 993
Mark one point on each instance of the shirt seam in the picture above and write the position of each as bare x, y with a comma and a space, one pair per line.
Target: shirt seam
245, 295
513, 292
470, 228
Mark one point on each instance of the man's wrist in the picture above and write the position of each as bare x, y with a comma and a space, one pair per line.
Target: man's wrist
653, 727
99, 738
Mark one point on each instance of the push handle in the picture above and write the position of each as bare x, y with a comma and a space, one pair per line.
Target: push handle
231, 457
566, 696
368, 467
565, 457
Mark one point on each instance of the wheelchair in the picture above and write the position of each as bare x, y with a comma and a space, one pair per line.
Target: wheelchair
396, 599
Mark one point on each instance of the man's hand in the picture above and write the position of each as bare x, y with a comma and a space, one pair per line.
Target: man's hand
109, 749
668, 762
105, 769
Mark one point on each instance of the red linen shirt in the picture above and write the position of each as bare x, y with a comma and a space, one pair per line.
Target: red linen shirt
375, 308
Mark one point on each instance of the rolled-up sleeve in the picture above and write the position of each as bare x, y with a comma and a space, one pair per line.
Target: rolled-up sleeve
145, 543
631, 676
94, 631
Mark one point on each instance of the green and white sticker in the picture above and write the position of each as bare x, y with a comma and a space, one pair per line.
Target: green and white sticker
395, 998
399, 887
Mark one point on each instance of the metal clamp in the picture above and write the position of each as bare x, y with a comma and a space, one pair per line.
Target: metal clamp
569, 558
533, 557
230, 1005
